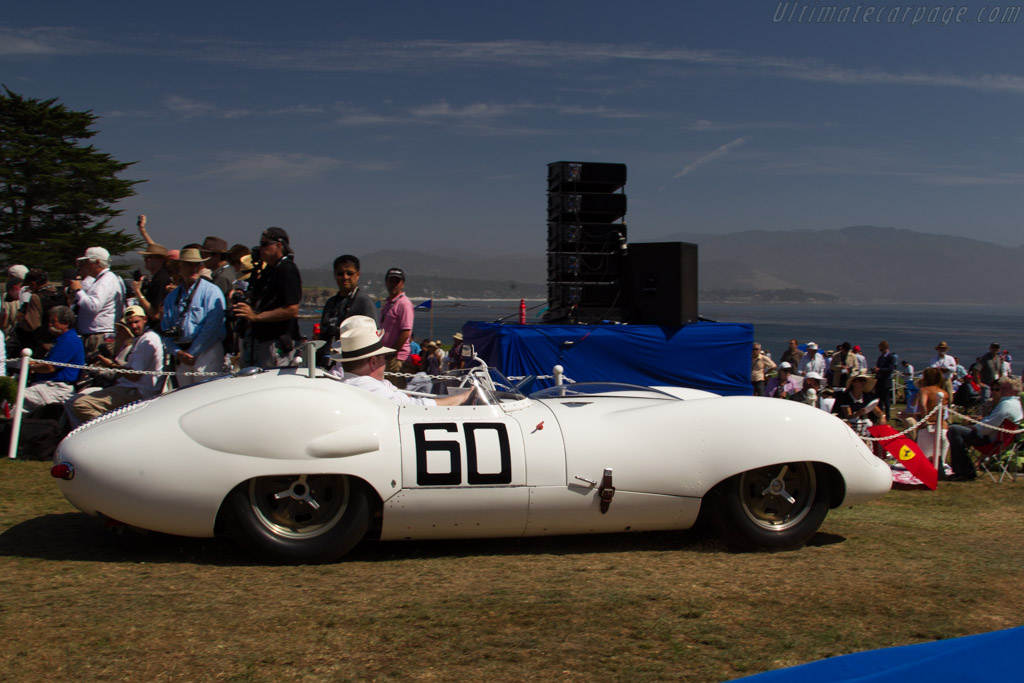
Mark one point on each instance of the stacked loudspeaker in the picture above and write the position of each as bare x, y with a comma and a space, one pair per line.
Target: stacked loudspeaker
586, 242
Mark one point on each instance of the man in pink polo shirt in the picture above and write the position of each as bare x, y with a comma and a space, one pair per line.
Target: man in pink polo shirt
396, 316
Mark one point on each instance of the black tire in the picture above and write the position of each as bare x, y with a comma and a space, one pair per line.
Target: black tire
273, 516
771, 508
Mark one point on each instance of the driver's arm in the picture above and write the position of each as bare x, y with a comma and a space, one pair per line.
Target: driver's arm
454, 399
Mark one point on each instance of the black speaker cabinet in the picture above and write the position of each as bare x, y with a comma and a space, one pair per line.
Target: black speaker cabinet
585, 176
585, 207
662, 283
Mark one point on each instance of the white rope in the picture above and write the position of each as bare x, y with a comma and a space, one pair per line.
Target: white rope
988, 426
905, 431
125, 371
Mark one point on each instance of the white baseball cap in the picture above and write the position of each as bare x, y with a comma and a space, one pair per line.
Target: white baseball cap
95, 254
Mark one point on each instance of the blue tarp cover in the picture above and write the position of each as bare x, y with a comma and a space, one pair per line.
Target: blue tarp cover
985, 657
709, 356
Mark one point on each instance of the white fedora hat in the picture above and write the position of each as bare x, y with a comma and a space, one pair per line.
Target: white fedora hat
352, 323
359, 343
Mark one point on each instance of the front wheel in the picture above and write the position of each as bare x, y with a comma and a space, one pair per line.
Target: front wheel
302, 519
771, 508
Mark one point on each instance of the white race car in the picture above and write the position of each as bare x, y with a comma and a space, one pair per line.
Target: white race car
299, 467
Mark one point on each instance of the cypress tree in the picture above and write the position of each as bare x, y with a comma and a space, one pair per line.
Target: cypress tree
57, 192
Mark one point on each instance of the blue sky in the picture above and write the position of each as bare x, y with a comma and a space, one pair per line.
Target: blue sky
358, 127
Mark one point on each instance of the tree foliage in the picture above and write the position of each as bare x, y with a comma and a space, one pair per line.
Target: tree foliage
57, 192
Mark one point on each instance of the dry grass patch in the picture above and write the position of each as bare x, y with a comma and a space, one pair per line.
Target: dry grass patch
84, 602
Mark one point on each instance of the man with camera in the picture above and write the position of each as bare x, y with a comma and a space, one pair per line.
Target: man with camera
151, 290
193, 321
272, 311
348, 302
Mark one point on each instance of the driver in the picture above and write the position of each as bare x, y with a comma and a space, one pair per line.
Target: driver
362, 357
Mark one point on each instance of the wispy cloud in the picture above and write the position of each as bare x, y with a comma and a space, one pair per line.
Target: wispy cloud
361, 55
255, 166
238, 166
47, 40
708, 158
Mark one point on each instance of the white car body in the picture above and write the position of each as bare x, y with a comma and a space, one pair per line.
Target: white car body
517, 466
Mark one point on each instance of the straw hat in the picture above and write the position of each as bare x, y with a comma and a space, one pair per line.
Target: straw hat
869, 381
359, 343
354, 322
155, 250
191, 256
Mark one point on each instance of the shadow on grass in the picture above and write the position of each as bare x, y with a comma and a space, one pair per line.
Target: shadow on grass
79, 537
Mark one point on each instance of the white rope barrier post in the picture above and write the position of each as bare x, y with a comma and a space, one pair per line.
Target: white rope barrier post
937, 446
26, 357
558, 371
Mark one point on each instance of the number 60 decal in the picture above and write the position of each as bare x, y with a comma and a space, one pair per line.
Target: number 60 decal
454, 476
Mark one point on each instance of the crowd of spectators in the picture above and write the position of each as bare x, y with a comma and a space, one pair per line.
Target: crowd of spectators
188, 314
847, 384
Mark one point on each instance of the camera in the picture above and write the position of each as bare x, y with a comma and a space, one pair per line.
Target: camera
239, 297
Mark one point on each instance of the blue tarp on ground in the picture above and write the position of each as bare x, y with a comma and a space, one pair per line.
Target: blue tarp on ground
709, 356
985, 657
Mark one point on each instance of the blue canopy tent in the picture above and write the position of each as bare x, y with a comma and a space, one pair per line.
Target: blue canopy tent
984, 657
710, 356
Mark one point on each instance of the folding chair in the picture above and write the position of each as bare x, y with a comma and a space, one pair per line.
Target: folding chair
1003, 454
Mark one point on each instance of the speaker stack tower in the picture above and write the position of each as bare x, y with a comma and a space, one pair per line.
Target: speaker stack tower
586, 243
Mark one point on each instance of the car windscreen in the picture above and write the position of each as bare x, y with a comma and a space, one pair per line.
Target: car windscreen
601, 389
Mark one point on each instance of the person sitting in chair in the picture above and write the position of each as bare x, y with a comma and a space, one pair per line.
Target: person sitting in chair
962, 437
147, 354
54, 384
852, 404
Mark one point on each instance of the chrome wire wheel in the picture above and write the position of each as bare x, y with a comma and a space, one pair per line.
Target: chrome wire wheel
299, 507
778, 497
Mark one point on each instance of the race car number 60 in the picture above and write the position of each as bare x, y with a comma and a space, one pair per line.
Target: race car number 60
453, 477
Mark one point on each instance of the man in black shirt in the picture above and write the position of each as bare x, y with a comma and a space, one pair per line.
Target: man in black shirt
273, 308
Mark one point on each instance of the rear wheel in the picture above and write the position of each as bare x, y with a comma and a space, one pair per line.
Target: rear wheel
772, 508
299, 518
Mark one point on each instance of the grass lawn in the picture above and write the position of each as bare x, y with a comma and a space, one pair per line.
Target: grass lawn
83, 602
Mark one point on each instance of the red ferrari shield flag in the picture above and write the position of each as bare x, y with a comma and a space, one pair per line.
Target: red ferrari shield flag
907, 453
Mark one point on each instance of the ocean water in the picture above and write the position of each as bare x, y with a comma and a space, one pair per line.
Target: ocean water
912, 330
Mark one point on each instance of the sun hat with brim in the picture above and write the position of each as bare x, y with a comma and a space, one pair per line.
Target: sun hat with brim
359, 343
814, 375
95, 254
191, 256
941, 346
155, 250
215, 245
869, 381
811, 345
352, 323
